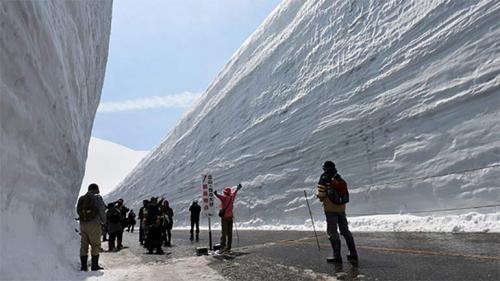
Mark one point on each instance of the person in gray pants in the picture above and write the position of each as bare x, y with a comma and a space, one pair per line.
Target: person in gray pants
335, 215
92, 214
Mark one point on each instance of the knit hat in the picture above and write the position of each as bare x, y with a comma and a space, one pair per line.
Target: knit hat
227, 190
329, 165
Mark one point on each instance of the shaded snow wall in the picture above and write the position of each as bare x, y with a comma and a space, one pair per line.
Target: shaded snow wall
52, 62
389, 90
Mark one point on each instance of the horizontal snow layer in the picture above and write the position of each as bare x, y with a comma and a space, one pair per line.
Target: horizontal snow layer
402, 95
52, 61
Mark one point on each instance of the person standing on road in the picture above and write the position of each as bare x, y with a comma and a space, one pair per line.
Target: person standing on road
195, 210
124, 221
91, 212
143, 212
335, 214
226, 214
115, 229
167, 215
131, 221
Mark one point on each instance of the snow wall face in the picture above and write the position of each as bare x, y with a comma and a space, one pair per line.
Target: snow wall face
388, 90
52, 61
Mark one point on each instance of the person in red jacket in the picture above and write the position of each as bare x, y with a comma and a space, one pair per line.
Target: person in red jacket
226, 214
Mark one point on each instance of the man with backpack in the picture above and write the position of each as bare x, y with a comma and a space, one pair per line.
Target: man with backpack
226, 214
91, 212
332, 192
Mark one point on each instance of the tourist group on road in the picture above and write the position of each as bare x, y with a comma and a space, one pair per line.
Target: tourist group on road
156, 219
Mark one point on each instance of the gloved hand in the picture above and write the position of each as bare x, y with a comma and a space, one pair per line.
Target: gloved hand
239, 186
215, 192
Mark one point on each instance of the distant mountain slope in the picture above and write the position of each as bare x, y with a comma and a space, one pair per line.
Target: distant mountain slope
402, 95
108, 163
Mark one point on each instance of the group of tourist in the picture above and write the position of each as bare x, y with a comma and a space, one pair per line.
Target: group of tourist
156, 220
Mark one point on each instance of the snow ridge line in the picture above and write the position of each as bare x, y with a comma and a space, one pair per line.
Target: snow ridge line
430, 177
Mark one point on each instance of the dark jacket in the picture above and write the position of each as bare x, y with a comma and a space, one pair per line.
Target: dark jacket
98, 203
153, 212
131, 217
113, 224
195, 210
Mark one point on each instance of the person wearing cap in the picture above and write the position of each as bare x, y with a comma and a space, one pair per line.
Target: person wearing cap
195, 211
227, 202
92, 214
335, 215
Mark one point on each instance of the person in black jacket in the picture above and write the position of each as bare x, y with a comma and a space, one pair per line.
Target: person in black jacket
115, 229
131, 221
195, 210
153, 209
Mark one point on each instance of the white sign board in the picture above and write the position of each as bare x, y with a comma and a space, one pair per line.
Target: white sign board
207, 189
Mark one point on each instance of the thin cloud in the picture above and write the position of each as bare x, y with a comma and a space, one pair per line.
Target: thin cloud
184, 99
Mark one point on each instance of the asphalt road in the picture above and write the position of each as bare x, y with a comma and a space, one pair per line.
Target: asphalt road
294, 255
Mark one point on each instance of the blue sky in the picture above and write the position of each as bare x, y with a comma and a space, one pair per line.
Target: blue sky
162, 55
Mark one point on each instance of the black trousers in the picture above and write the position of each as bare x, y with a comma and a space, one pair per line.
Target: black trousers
226, 238
334, 220
115, 236
193, 224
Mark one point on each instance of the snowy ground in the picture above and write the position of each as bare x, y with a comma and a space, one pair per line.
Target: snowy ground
125, 265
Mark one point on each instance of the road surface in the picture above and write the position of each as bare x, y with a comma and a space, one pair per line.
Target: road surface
294, 255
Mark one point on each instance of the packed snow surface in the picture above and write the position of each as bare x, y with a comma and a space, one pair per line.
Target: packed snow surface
403, 95
125, 265
52, 61
108, 163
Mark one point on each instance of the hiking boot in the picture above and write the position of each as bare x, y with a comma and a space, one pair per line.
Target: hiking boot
334, 260
352, 258
197, 238
191, 238
95, 263
83, 261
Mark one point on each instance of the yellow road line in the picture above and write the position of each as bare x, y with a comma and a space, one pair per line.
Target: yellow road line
397, 250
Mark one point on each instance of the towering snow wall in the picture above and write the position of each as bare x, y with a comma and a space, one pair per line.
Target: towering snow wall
52, 62
403, 95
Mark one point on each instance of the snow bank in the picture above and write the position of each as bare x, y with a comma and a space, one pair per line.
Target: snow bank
108, 163
52, 61
402, 95
469, 222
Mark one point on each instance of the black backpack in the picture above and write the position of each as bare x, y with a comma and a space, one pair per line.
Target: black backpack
88, 209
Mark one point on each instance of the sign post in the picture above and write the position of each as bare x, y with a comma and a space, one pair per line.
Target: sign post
207, 187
